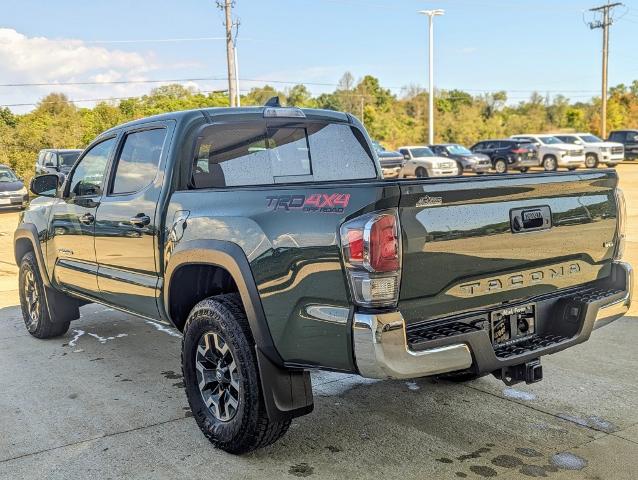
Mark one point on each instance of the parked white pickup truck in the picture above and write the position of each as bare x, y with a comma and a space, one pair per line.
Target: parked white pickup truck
597, 150
421, 162
555, 153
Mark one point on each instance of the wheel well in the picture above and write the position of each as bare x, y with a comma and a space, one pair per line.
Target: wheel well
593, 154
548, 155
21, 247
192, 283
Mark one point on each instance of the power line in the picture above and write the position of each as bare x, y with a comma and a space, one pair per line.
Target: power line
156, 40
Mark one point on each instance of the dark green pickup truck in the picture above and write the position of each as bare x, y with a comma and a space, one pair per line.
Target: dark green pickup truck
268, 236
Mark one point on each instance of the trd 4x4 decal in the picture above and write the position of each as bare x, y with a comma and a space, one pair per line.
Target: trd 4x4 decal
315, 202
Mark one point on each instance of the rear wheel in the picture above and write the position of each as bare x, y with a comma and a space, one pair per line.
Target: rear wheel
221, 377
500, 165
549, 163
421, 172
591, 160
33, 302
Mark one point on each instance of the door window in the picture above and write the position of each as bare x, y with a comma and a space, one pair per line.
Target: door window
88, 177
139, 160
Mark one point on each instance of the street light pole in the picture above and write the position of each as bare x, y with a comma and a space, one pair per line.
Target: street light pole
431, 14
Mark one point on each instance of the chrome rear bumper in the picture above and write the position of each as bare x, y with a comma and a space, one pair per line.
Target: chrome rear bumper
382, 351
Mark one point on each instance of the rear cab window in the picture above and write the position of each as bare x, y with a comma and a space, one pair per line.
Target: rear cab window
257, 153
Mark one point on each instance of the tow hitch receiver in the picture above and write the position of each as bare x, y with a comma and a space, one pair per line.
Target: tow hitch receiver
529, 372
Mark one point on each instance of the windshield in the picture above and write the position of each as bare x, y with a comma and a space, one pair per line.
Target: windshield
550, 140
590, 139
68, 159
7, 176
458, 150
421, 152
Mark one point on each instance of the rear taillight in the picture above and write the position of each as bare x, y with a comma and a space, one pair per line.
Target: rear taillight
520, 150
622, 221
371, 248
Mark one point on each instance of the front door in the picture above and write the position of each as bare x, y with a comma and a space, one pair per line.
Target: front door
71, 247
126, 228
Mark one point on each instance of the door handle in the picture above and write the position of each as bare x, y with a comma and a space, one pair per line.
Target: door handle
87, 219
140, 220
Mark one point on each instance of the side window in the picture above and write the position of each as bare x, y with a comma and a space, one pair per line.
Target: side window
88, 176
138, 161
617, 137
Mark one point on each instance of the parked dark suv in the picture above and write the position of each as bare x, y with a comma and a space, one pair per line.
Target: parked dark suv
56, 160
509, 154
629, 138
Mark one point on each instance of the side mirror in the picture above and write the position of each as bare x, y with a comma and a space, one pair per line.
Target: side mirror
45, 185
406, 157
578, 142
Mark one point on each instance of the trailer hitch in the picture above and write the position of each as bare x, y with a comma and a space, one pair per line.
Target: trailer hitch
528, 372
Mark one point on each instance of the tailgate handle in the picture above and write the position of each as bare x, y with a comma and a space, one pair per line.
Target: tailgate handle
530, 219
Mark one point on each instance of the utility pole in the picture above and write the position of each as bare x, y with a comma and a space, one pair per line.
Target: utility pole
604, 24
431, 14
227, 6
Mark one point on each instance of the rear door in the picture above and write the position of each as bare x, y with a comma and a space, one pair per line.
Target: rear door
127, 227
462, 249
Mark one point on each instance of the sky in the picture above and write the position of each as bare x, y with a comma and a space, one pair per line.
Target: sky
515, 45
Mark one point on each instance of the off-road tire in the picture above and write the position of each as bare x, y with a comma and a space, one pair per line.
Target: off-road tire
250, 428
36, 316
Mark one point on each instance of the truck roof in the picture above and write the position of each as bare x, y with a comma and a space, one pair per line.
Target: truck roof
241, 113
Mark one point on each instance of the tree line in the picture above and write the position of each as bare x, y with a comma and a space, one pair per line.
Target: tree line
392, 119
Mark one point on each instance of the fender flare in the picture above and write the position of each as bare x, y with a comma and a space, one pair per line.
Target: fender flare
287, 392
30, 232
231, 257
60, 306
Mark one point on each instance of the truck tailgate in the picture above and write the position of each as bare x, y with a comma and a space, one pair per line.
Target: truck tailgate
462, 250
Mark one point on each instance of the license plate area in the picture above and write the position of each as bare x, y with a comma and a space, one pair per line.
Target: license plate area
508, 325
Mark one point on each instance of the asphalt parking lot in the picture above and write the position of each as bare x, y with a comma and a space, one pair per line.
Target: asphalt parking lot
106, 401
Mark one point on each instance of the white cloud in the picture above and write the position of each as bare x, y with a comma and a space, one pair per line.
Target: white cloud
25, 59
44, 59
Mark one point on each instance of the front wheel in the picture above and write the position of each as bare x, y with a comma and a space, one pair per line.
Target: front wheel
500, 166
524, 169
549, 163
421, 173
591, 160
33, 302
221, 377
